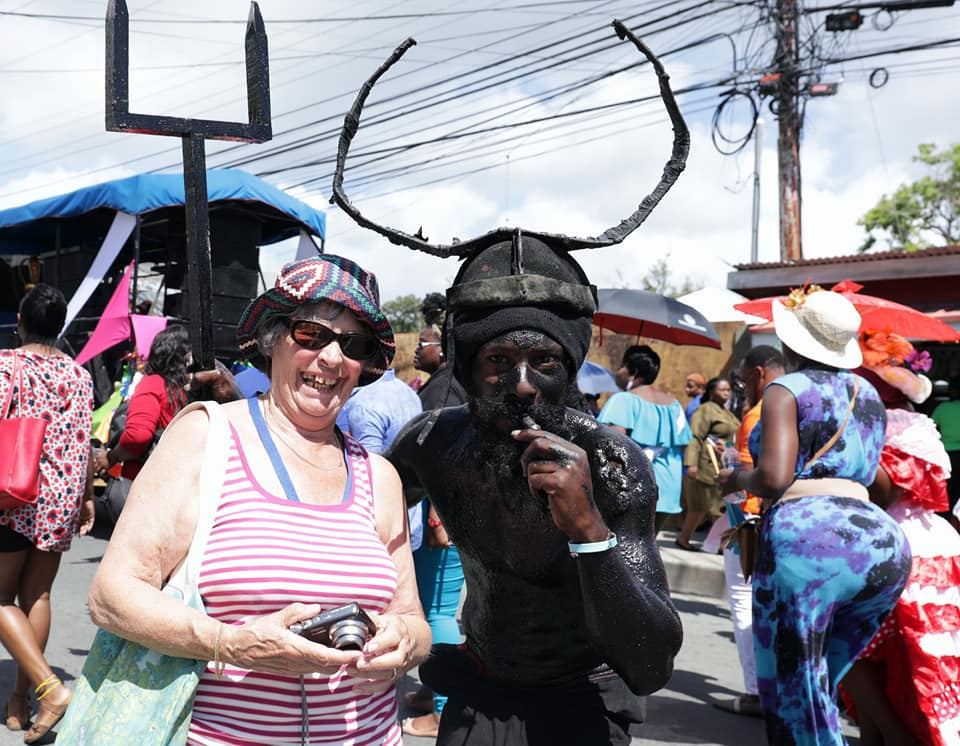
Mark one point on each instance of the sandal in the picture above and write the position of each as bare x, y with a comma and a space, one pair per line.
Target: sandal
49, 714
18, 716
410, 727
745, 704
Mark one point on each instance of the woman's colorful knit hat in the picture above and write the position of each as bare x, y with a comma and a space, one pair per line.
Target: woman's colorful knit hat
322, 278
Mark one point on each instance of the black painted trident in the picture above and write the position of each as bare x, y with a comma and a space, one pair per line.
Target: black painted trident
193, 132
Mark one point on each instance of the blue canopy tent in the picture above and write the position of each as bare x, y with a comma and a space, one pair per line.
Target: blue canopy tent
81, 241
87, 213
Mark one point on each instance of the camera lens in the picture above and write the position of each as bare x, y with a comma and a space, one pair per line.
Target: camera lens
349, 634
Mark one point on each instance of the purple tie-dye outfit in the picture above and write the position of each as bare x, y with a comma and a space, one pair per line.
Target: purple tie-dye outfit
829, 569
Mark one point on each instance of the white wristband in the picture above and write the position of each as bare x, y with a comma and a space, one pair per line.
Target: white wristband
592, 547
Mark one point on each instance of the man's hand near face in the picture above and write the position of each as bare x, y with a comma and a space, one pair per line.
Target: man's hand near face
559, 471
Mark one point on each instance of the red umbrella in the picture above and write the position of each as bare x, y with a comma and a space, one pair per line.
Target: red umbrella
876, 313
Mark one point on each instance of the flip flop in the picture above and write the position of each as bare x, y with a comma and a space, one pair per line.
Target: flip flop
740, 706
411, 729
686, 547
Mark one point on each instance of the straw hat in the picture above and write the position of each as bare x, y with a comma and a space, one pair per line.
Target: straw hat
819, 325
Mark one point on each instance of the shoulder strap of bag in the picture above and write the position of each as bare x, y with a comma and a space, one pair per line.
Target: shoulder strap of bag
7, 410
836, 436
263, 431
211, 483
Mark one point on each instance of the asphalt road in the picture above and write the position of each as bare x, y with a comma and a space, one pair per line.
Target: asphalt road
679, 714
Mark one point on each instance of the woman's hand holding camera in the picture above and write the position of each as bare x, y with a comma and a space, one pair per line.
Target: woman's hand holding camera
266, 644
387, 655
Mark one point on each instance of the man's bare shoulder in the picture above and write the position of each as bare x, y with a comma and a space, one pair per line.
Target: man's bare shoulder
420, 438
622, 474
590, 435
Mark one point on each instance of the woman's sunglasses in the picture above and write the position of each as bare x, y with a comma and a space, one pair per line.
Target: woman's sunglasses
313, 336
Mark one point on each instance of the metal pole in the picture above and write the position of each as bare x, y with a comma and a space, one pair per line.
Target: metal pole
56, 265
757, 155
199, 267
192, 132
136, 261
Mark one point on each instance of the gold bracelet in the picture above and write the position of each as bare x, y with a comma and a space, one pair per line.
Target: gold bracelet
218, 665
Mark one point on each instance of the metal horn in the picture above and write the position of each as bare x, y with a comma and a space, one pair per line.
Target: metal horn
614, 235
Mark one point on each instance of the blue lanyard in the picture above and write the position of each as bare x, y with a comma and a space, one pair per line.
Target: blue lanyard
271, 449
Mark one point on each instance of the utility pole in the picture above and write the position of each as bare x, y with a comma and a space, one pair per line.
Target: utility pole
757, 153
788, 142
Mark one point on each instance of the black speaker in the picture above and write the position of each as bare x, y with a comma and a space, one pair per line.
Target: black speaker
235, 259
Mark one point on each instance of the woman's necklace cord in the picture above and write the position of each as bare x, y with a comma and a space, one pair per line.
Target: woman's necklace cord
309, 462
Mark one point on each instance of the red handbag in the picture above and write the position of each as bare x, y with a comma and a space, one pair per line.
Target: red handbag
21, 444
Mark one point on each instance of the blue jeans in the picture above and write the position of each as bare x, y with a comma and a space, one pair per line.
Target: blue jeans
440, 579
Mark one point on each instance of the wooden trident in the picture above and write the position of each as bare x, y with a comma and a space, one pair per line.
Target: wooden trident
193, 132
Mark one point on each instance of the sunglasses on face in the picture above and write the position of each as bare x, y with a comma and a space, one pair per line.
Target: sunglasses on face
314, 336
421, 344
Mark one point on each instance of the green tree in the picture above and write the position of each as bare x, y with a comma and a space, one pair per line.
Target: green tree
404, 313
660, 279
924, 213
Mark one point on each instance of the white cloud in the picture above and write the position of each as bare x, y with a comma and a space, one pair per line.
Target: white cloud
856, 146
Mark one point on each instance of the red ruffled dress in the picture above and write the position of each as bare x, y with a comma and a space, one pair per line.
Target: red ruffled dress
919, 643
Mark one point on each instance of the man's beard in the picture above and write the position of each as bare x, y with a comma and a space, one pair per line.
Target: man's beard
496, 451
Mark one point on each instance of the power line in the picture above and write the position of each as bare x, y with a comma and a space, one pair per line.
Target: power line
514, 32
302, 21
456, 93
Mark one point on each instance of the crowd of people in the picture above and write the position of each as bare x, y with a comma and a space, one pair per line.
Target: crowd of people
370, 490
848, 603
397, 497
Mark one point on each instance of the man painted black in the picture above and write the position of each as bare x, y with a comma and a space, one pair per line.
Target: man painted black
557, 646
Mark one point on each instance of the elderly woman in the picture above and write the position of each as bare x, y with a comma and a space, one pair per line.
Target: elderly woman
830, 564
307, 521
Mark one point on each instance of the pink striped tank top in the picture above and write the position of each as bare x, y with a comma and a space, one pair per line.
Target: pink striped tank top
264, 553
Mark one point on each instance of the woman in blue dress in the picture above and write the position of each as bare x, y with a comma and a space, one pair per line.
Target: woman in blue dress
654, 420
830, 564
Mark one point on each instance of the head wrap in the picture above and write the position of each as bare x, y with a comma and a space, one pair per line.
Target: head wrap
519, 284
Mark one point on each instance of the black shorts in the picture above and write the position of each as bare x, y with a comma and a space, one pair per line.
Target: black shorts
11, 541
593, 710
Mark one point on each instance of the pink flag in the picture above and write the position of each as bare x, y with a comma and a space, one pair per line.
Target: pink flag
145, 328
114, 324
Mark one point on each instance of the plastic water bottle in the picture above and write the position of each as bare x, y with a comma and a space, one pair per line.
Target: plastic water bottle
731, 460
731, 457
